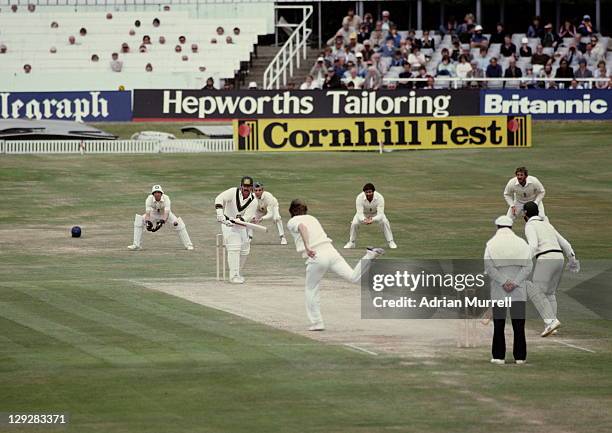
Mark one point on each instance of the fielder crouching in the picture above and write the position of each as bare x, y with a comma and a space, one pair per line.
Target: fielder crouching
157, 213
236, 203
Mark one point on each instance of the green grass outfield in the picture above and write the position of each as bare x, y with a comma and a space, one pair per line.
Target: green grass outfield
78, 335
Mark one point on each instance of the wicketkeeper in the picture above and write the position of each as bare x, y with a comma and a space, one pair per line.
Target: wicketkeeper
157, 213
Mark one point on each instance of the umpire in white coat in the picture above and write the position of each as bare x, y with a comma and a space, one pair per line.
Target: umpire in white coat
507, 260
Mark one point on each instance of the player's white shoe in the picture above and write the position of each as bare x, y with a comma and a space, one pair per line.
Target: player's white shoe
551, 327
555, 332
349, 245
498, 361
133, 247
283, 240
189, 248
521, 361
392, 245
237, 280
317, 327
376, 252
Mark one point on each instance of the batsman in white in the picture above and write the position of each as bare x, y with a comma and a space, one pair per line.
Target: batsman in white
267, 209
522, 189
236, 203
547, 247
157, 213
321, 256
370, 206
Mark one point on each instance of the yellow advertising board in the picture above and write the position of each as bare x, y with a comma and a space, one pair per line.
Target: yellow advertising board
362, 134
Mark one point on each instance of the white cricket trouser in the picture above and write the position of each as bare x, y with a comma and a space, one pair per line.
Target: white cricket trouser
328, 258
176, 223
384, 222
519, 210
236, 241
546, 279
275, 217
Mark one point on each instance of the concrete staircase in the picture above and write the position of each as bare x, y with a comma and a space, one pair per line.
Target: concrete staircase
265, 54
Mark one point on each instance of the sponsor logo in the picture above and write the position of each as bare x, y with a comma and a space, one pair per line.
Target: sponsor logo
372, 133
89, 105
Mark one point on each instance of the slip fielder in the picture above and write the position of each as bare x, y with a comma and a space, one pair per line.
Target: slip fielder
321, 256
370, 206
267, 209
157, 212
522, 189
236, 203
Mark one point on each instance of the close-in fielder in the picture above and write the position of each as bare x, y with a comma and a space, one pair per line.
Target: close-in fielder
522, 189
157, 213
236, 203
321, 256
547, 247
267, 209
370, 207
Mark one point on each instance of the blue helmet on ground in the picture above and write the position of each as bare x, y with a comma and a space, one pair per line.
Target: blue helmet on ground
76, 232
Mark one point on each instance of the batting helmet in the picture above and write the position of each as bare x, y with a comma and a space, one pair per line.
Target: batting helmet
76, 232
531, 209
246, 181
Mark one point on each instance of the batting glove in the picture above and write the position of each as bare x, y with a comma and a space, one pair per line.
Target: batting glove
573, 265
220, 216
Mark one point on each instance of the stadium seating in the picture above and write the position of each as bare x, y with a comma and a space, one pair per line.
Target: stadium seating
70, 67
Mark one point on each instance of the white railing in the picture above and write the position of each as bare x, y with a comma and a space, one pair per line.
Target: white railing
293, 51
28, 147
445, 82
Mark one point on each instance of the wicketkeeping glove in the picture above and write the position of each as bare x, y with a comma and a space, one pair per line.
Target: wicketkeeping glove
158, 226
149, 226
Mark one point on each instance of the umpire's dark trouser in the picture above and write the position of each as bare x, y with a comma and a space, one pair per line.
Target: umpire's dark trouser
519, 349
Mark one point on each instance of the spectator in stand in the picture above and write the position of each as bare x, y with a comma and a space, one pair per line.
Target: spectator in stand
27, 68
494, 70
454, 55
162, 40
430, 83
368, 21
567, 30
535, 30
422, 76
529, 80
185, 58
406, 74
360, 65
229, 40
564, 71
109, 16
512, 71
499, 35
466, 37
14, 7
339, 67
398, 59
354, 78
146, 40
54, 25
53, 50
547, 73
599, 50
450, 28
476, 72
210, 84
446, 67
194, 48
149, 67
116, 65
236, 31
220, 31
416, 58
373, 79
413, 39
549, 39
125, 48
83, 32
132, 32
71, 40
601, 72
483, 58
332, 80
319, 70
427, 42
463, 68
540, 58
586, 27
156, 22
309, 84
508, 49
468, 20
388, 49
353, 21
182, 39
137, 23
3, 49
178, 49
395, 36
354, 46
328, 56
525, 50
590, 56
478, 39
386, 21
572, 55
378, 36
344, 33
364, 34
31, 7
95, 58
142, 48
574, 84
582, 71
367, 51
